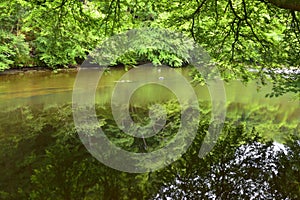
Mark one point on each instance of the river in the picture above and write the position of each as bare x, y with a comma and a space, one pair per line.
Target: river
40, 150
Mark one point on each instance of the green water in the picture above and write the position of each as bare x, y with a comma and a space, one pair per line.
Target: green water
41, 156
244, 102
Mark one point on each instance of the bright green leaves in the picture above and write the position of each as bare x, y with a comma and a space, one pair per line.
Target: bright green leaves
241, 34
58, 37
238, 34
14, 51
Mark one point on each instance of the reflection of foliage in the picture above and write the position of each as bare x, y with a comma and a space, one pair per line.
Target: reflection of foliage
286, 83
42, 156
249, 172
270, 121
288, 171
241, 166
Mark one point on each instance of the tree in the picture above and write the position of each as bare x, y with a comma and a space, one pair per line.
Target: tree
238, 34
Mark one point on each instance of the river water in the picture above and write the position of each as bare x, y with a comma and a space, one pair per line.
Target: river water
48, 88
35, 110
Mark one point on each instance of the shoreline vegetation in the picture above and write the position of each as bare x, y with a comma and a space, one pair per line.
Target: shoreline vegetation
238, 36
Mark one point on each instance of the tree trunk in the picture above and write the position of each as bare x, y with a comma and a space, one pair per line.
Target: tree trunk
286, 4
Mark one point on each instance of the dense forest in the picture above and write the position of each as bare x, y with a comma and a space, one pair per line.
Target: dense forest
238, 34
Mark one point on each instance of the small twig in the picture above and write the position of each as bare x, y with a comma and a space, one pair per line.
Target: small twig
229, 32
145, 144
199, 7
233, 10
236, 38
216, 10
107, 16
295, 20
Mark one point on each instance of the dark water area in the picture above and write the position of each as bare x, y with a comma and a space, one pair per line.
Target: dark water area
41, 156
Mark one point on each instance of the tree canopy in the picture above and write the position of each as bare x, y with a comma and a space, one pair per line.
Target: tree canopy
238, 34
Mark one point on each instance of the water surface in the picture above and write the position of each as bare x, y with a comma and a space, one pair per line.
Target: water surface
41, 154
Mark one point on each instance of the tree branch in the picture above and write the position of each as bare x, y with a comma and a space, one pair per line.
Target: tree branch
297, 26
193, 18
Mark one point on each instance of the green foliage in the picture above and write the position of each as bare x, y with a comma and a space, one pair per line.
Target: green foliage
5, 53
59, 36
14, 51
144, 45
240, 35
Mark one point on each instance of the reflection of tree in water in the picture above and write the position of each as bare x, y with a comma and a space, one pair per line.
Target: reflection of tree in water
254, 171
42, 156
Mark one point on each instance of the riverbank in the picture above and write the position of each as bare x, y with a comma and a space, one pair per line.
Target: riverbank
37, 69
72, 68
